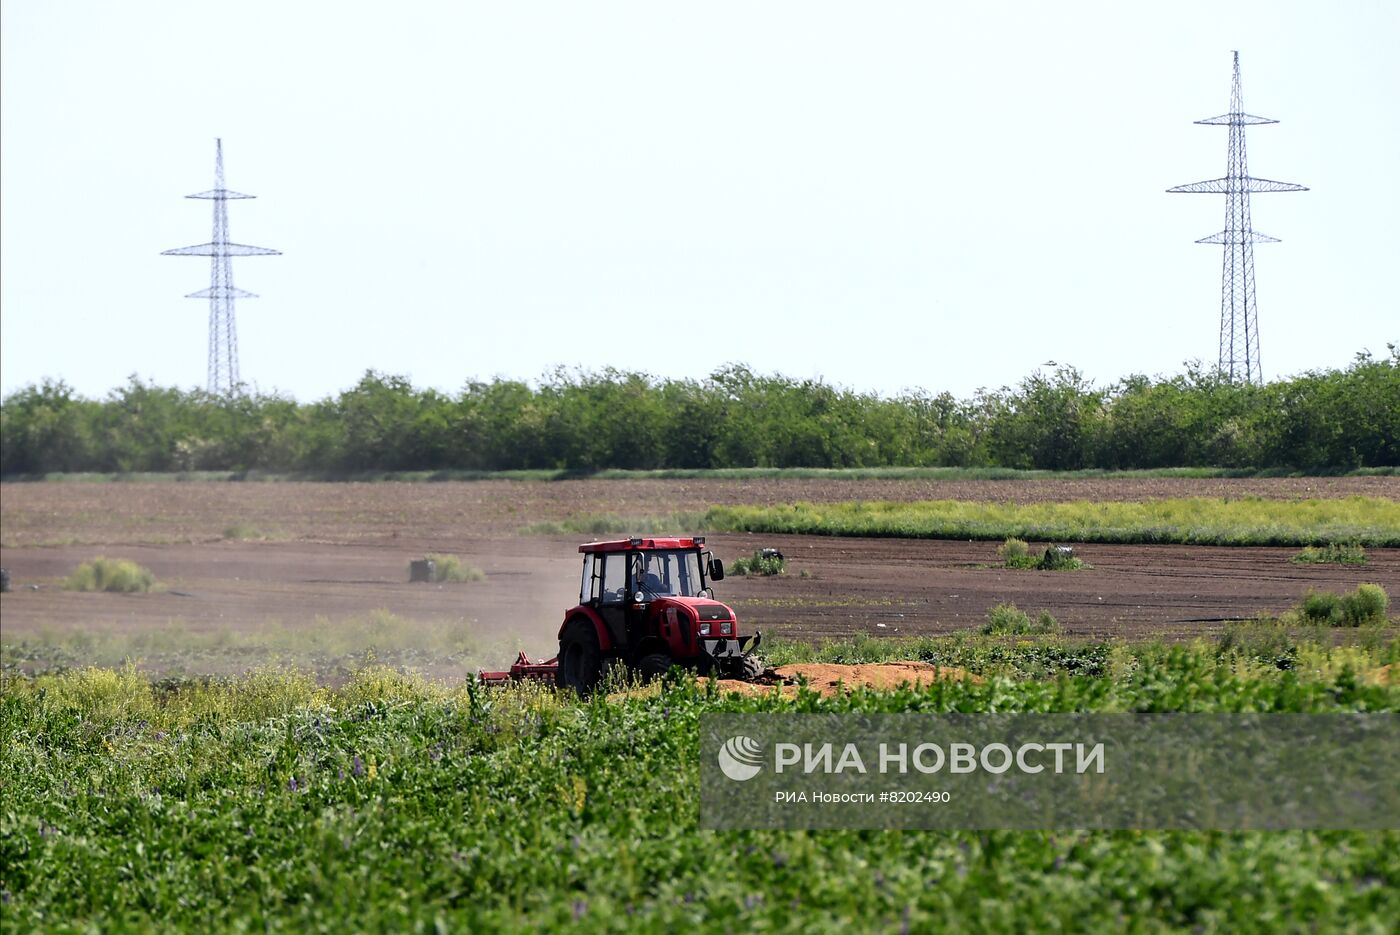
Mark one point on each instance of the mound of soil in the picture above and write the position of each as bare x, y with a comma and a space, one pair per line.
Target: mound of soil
1385, 675
828, 679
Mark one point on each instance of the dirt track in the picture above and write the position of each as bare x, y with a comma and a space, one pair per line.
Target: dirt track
340, 550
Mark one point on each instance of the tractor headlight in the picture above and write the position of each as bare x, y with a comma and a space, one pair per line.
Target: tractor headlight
726, 628
704, 629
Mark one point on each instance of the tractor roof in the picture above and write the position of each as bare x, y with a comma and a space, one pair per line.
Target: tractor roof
647, 544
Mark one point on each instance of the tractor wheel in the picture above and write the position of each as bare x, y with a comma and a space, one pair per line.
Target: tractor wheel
654, 666
580, 659
748, 668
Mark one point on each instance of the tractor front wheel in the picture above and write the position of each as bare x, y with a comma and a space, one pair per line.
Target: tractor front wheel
580, 659
654, 666
747, 668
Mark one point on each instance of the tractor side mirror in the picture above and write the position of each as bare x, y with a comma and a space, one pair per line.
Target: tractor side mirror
716, 569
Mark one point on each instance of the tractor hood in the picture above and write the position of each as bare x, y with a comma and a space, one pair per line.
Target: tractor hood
704, 608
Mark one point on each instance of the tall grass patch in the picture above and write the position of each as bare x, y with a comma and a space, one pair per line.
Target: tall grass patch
1015, 553
1009, 620
110, 574
1367, 605
245, 532
1368, 521
765, 562
451, 568
1333, 553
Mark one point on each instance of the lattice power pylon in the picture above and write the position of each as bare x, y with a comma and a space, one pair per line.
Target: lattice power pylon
1239, 316
223, 329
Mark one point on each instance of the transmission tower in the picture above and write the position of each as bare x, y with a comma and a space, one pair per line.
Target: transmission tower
1239, 317
223, 330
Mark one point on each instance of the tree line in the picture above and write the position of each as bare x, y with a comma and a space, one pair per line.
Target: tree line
1058, 420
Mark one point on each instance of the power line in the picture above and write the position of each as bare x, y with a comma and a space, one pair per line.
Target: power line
223, 329
1239, 315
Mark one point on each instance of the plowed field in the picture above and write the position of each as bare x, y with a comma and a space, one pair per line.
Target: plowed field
248, 557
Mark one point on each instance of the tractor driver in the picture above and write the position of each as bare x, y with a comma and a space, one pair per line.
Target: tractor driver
652, 581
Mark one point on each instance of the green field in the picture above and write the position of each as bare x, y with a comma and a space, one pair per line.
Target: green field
1371, 521
270, 802
1366, 521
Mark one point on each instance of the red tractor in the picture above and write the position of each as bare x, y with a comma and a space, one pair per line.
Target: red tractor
645, 604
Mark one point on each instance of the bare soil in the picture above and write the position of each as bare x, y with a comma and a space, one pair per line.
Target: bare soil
828, 679
335, 551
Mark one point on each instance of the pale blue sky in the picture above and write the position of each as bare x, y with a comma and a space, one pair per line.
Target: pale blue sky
886, 195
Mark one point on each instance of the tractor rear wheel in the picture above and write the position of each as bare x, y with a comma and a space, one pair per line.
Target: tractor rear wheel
747, 668
654, 666
580, 659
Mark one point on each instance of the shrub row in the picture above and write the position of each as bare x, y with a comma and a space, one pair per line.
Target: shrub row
1328, 420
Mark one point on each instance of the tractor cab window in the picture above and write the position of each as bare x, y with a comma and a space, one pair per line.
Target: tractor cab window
614, 577
585, 590
674, 573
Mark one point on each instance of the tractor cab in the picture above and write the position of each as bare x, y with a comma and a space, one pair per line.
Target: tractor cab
648, 604
637, 571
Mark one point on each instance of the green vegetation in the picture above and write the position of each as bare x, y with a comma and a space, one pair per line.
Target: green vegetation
270, 802
1015, 553
1366, 605
1324, 607
110, 574
759, 564
1265, 646
450, 568
1374, 521
244, 532
1008, 620
444, 475
1059, 558
577, 423
1333, 553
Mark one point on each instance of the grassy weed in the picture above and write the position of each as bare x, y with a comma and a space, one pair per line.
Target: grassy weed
1366, 605
1008, 619
110, 574
759, 564
1015, 553
1333, 553
245, 532
450, 568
